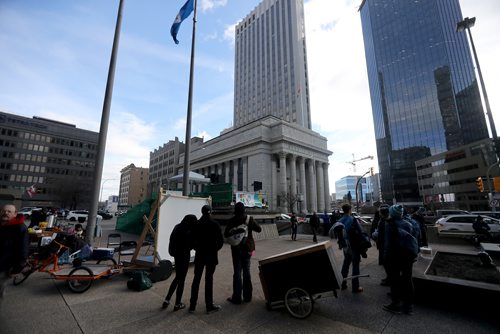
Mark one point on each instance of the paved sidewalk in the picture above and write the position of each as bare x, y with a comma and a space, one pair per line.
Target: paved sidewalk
43, 305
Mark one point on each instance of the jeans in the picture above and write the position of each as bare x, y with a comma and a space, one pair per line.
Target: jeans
241, 265
181, 269
351, 256
209, 283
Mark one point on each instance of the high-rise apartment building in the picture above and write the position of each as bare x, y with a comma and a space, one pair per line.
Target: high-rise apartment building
270, 64
55, 159
133, 185
424, 92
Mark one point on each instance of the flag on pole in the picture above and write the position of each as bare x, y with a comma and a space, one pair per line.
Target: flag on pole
31, 191
184, 12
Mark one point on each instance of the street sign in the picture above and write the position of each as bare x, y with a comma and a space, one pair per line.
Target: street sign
494, 203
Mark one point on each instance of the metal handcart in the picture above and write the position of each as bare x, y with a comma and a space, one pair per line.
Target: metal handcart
297, 278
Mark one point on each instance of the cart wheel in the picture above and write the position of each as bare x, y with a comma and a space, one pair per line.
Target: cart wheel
299, 303
110, 262
80, 285
107, 260
21, 277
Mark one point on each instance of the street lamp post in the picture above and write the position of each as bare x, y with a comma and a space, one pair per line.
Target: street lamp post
102, 187
466, 24
357, 184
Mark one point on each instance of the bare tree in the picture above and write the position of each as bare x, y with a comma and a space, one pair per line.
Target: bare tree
289, 200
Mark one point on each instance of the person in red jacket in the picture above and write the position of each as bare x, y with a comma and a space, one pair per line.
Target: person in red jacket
14, 245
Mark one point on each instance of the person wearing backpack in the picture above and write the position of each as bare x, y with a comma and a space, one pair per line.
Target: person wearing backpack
181, 243
241, 254
400, 252
207, 243
352, 251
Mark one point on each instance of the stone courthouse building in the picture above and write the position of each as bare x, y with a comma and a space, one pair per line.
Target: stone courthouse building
271, 145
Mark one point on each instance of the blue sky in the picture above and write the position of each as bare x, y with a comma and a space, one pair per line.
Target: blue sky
54, 58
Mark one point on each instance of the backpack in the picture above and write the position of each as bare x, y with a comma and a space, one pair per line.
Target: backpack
358, 239
139, 281
407, 243
238, 235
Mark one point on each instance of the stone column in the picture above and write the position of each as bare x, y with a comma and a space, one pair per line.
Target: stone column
311, 184
244, 161
274, 184
293, 180
226, 174
320, 190
302, 180
235, 174
327, 187
283, 188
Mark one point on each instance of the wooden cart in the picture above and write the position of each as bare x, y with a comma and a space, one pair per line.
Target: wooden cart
296, 278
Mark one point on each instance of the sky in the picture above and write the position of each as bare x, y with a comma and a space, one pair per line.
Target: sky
55, 54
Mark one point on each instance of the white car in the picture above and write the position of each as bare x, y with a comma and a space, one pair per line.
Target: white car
27, 211
78, 215
463, 223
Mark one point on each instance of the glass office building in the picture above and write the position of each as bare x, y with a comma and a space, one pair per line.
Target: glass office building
424, 92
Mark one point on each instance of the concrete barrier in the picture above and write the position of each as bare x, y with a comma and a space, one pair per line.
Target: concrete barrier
269, 231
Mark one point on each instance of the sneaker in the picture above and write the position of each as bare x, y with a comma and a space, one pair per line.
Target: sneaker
165, 304
179, 306
214, 308
192, 308
392, 308
232, 301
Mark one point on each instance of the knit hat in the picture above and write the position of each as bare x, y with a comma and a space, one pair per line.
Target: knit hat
396, 211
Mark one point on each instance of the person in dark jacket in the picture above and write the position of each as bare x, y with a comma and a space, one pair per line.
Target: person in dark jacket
293, 226
241, 255
314, 224
180, 248
419, 218
14, 245
207, 242
399, 265
378, 234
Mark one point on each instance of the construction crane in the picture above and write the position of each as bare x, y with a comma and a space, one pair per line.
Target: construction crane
353, 161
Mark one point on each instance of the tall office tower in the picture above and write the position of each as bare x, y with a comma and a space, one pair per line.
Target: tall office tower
424, 92
271, 64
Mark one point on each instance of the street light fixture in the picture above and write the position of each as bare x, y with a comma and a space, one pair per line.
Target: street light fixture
102, 187
357, 184
466, 24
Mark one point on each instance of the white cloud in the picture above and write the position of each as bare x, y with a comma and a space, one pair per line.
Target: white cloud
340, 99
229, 33
207, 5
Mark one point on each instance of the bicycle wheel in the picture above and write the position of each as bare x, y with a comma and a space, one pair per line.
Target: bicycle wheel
83, 282
21, 277
107, 260
299, 303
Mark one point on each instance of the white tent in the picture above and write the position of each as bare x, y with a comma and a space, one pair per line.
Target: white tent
193, 178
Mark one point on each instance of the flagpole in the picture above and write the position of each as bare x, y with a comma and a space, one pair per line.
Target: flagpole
103, 132
185, 179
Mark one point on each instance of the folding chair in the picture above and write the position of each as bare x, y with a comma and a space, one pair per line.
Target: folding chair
114, 240
126, 248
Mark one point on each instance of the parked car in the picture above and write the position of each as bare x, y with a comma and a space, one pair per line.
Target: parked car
27, 211
79, 215
447, 212
105, 215
463, 223
492, 214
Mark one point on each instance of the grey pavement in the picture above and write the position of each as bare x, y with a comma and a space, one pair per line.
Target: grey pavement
44, 305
